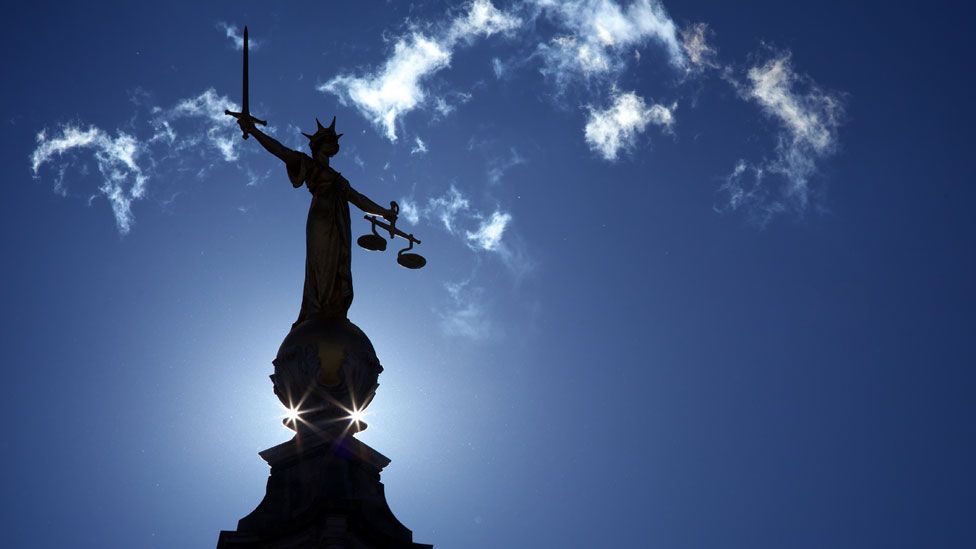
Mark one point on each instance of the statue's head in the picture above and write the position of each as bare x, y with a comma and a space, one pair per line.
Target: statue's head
324, 143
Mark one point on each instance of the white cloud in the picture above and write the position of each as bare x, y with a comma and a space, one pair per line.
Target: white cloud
734, 186
398, 87
235, 36
498, 167
481, 19
447, 207
600, 35
494, 235
488, 236
808, 119
498, 67
420, 147
123, 179
746, 190
614, 129
595, 41
448, 103
696, 46
479, 231
443, 107
409, 211
219, 130
466, 314
127, 161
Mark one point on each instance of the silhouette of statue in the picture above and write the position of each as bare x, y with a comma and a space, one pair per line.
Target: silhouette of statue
328, 275
324, 489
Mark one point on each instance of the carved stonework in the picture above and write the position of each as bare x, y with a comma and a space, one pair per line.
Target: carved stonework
322, 493
326, 369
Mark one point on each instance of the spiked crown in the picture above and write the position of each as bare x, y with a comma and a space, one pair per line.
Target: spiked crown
323, 134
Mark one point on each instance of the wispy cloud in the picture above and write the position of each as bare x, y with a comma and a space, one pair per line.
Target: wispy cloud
447, 207
419, 146
206, 112
499, 166
480, 231
482, 18
498, 67
599, 36
466, 314
745, 188
358, 160
485, 233
594, 42
383, 96
128, 160
448, 102
695, 43
810, 117
395, 89
808, 120
615, 128
409, 211
488, 235
235, 36
123, 180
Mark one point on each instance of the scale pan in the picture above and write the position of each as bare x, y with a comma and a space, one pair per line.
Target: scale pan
411, 261
373, 242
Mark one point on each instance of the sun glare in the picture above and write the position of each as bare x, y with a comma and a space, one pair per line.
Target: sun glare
356, 416
292, 414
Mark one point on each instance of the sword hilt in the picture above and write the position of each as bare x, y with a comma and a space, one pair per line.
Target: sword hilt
245, 116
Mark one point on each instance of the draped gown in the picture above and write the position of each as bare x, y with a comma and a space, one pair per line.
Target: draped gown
328, 240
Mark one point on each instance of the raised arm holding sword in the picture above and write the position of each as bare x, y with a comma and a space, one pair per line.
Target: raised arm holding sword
328, 277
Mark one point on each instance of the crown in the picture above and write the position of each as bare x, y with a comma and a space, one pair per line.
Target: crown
323, 133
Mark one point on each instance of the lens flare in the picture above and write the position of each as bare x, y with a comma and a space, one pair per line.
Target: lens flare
292, 414
357, 416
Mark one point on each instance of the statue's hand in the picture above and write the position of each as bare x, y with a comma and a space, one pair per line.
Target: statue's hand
246, 123
393, 212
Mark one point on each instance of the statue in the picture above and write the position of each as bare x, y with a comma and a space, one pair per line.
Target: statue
324, 488
328, 241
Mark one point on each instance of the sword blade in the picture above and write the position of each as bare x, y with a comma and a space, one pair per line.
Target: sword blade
245, 102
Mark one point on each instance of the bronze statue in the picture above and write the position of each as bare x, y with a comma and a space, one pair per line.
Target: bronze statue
328, 240
324, 488
328, 276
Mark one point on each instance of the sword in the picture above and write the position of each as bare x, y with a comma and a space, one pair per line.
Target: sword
245, 113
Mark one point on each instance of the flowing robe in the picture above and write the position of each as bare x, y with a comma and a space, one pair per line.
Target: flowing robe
328, 240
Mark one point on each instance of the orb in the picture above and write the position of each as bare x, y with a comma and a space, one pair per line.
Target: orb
326, 373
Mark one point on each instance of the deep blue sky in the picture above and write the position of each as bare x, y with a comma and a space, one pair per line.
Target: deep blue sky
634, 362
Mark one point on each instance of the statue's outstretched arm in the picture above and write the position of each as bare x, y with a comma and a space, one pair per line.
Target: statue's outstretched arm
273, 146
363, 202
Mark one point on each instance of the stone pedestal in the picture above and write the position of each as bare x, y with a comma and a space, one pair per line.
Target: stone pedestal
324, 492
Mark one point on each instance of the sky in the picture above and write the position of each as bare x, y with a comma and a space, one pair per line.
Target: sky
700, 274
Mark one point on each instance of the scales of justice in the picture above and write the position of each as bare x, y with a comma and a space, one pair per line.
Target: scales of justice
324, 490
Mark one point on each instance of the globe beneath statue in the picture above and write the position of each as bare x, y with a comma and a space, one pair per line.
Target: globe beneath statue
326, 374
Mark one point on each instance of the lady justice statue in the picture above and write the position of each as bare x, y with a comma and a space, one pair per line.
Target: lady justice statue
326, 369
324, 489
328, 241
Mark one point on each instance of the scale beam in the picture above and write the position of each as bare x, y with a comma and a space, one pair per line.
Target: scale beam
390, 229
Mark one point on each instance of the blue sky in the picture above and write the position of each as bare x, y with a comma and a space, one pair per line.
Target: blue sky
700, 273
